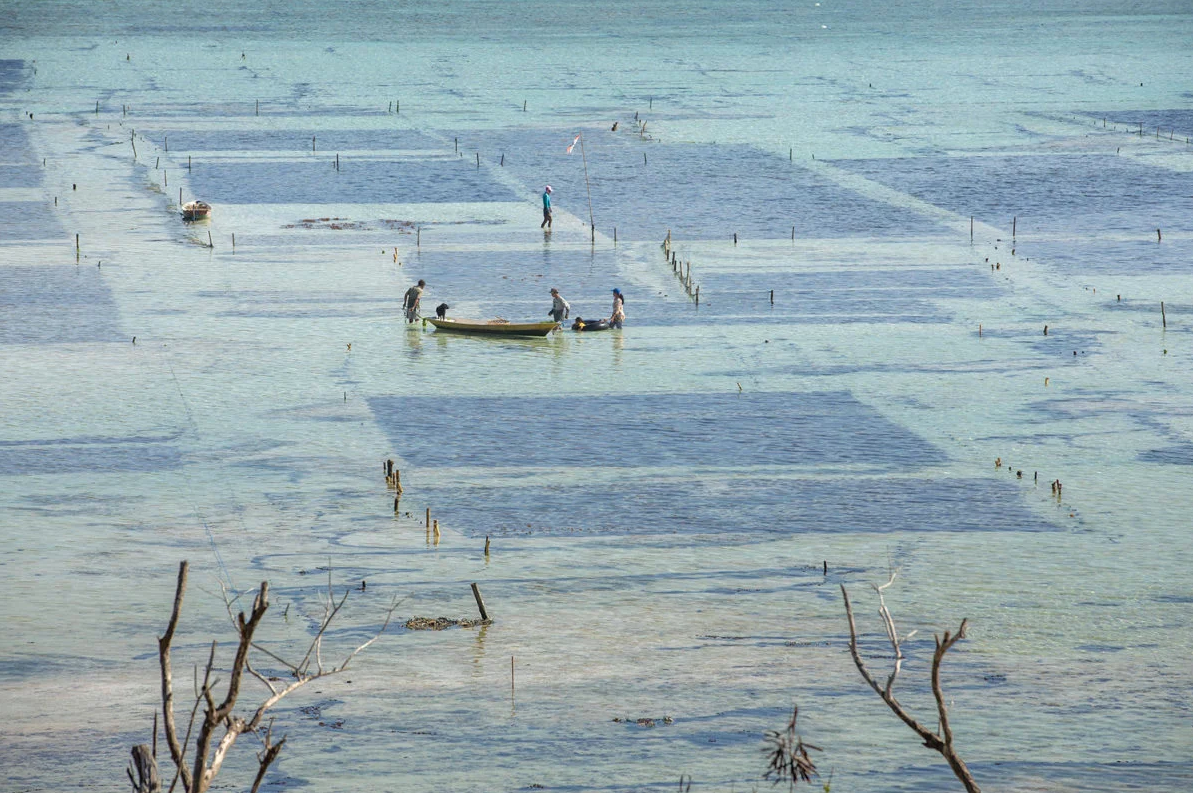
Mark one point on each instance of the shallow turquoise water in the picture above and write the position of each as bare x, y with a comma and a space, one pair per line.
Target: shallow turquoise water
662, 502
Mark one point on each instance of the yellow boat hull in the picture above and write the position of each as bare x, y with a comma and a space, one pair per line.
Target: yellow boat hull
494, 328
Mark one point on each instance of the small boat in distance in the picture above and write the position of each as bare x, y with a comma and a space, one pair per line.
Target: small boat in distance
196, 210
494, 327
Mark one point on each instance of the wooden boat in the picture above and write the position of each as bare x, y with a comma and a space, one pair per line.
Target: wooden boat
494, 327
196, 210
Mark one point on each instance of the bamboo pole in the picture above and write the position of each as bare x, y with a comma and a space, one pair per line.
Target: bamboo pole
584, 157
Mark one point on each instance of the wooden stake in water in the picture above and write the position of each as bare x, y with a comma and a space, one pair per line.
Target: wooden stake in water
1014, 221
233, 243
312, 144
428, 517
166, 142
1163, 317
772, 297
971, 228
478, 160
180, 197
480, 604
418, 238
188, 162
257, 111
210, 244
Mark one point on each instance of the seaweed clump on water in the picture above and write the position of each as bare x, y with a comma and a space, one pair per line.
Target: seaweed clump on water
440, 623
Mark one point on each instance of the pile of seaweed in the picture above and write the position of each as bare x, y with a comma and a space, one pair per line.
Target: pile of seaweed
440, 623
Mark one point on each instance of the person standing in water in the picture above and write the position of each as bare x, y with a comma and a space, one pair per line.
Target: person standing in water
546, 208
560, 310
410, 302
618, 316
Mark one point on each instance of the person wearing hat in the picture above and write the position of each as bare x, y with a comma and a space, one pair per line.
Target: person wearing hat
560, 310
618, 309
410, 302
546, 208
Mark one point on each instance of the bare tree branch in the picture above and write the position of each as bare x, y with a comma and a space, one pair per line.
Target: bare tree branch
208, 760
942, 742
163, 652
267, 755
215, 715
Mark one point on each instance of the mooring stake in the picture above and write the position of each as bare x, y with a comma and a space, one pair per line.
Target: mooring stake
480, 604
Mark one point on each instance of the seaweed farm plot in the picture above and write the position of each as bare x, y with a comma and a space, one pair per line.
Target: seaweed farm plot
1075, 194
56, 304
99, 455
184, 142
826, 428
364, 181
753, 508
861, 293
28, 220
1109, 260
699, 191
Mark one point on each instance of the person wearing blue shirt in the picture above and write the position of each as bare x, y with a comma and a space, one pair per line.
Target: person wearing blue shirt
546, 208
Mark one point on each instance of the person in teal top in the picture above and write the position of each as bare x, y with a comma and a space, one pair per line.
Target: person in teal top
546, 208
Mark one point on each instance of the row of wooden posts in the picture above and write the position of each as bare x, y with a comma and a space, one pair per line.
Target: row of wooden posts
1139, 132
393, 481
681, 270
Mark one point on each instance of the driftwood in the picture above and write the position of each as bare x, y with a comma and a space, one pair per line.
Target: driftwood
219, 718
146, 779
787, 755
941, 741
